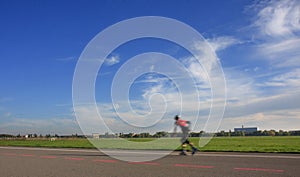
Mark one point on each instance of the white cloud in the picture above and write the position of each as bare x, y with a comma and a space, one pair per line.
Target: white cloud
290, 80
223, 42
61, 126
266, 120
280, 102
112, 60
270, 101
278, 18
197, 72
119, 121
247, 101
281, 53
240, 86
152, 67
289, 45
246, 105
277, 27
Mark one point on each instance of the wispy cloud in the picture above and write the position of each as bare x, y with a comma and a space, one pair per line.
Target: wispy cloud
115, 59
281, 53
288, 81
251, 101
27, 125
269, 101
278, 27
223, 42
265, 120
163, 97
278, 18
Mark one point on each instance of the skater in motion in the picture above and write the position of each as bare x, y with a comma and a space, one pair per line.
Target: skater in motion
185, 128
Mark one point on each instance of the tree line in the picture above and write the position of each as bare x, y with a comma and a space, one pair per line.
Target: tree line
163, 134
259, 133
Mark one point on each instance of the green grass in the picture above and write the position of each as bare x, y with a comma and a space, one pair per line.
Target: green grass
284, 144
59, 143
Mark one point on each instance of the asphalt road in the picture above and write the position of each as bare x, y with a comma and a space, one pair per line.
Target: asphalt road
41, 162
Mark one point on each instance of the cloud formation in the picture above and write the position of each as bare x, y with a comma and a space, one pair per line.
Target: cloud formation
115, 59
278, 18
223, 42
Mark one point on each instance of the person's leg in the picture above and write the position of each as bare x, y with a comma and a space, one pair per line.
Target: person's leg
184, 141
194, 149
183, 147
186, 135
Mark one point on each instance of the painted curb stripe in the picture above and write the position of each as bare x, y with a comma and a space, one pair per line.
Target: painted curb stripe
259, 169
27, 155
73, 158
48, 157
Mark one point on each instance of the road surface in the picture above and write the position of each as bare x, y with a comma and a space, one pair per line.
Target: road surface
47, 162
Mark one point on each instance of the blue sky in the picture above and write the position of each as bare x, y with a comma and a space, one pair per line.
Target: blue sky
256, 42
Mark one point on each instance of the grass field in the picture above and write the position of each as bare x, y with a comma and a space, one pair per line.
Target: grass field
290, 144
286, 144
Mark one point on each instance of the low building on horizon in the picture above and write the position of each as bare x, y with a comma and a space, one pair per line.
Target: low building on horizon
96, 135
246, 129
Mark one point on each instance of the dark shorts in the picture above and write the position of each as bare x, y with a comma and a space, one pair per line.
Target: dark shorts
186, 142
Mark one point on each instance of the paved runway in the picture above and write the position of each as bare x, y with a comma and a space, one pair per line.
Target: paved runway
45, 162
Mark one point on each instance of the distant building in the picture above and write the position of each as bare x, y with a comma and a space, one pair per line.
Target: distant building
246, 129
96, 135
107, 135
294, 132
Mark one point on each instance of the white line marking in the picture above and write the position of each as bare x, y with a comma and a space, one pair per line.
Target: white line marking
151, 152
48, 149
252, 156
146, 152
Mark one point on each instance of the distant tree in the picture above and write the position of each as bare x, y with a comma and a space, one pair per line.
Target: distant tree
160, 134
144, 135
195, 134
243, 133
286, 133
229, 133
272, 133
265, 133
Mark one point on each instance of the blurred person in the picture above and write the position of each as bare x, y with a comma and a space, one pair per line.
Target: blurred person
185, 128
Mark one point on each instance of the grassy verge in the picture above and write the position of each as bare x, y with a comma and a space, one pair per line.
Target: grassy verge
59, 143
287, 144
